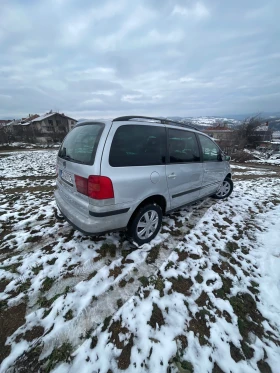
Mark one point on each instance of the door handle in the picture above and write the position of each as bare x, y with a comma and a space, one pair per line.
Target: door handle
172, 176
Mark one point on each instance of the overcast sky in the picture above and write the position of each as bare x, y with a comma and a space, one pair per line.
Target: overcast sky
154, 57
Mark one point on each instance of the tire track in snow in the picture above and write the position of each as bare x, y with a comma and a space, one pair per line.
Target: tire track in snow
106, 304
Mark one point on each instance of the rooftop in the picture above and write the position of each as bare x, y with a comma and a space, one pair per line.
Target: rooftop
35, 118
47, 115
4, 121
262, 128
29, 119
44, 116
218, 128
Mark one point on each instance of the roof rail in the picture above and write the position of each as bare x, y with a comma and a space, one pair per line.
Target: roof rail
161, 120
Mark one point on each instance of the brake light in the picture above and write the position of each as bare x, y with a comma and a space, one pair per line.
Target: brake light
96, 187
100, 187
81, 184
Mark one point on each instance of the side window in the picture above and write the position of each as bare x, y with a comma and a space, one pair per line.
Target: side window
209, 149
138, 145
183, 146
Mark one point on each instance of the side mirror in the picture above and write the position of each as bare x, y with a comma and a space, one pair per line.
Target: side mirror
220, 157
228, 158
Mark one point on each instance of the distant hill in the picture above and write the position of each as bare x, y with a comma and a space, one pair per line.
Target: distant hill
265, 114
229, 120
274, 123
206, 121
273, 119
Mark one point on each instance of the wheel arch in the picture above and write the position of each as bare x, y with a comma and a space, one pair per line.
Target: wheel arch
157, 198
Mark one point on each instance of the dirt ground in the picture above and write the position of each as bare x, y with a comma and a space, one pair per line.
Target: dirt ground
44, 263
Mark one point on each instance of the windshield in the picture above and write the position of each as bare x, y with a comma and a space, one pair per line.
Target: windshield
81, 143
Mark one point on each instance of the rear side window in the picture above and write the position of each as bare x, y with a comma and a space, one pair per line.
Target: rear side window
136, 145
183, 146
209, 149
81, 143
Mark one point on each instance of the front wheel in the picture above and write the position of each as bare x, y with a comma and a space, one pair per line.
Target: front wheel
225, 189
146, 224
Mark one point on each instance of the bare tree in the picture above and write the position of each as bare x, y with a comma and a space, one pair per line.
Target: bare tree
246, 132
5, 135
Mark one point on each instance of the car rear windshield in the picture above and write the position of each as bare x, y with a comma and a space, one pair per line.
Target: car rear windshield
81, 143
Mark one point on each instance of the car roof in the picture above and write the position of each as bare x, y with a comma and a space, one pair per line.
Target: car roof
172, 125
144, 121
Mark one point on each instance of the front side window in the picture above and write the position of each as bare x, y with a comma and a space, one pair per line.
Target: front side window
183, 147
210, 150
138, 145
81, 143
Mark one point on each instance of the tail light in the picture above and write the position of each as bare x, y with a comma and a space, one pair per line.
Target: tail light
100, 187
81, 184
96, 187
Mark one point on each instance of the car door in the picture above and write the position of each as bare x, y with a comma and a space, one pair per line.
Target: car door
184, 169
136, 161
213, 166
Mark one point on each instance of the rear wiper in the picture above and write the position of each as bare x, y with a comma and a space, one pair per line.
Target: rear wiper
68, 158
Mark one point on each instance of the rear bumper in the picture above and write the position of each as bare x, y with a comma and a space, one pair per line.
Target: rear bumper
92, 225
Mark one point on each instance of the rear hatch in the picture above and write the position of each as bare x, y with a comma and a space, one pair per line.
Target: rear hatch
78, 158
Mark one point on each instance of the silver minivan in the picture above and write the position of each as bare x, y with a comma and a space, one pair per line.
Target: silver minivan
126, 173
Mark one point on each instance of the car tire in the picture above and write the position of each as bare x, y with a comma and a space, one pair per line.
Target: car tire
145, 224
225, 189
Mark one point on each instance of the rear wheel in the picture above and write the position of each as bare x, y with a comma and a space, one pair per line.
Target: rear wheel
225, 189
146, 224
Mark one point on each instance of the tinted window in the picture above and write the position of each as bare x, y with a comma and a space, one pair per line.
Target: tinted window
209, 149
81, 143
183, 146
135, 145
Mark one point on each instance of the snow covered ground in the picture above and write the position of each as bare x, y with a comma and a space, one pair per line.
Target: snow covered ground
273, 160
261, 158
207, 121
203, 297
24, 145
212, 121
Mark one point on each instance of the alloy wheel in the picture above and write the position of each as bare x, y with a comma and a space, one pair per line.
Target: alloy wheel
147, 224
224, 189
